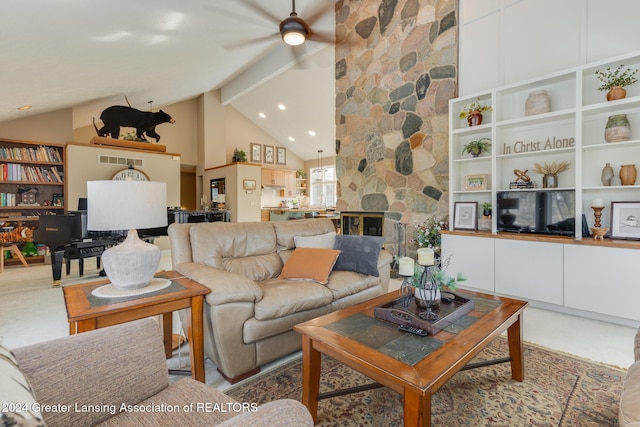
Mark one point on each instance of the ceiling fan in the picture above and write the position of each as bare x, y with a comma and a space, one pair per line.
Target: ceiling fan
293, 30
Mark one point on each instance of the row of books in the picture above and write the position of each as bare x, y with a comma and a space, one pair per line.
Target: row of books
8, 199
36, 154
521, 184
18, 172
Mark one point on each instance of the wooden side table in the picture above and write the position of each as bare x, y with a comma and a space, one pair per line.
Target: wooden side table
86, 312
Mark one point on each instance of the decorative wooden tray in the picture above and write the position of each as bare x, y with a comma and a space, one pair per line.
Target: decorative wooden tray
451, 309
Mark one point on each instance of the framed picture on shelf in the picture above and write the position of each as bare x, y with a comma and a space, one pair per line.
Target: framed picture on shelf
465, 216
475, 182
625, 220
281, 157
268, 154
256, 153
57, 200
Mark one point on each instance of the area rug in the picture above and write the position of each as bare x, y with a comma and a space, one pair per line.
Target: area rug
559, 390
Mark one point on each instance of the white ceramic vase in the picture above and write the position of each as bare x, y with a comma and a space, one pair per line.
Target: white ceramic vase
538, 102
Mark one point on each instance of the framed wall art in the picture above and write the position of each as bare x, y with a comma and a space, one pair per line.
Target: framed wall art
256, 152
249, 184
268, 154
281, 156
625, 220
465, 216
475, 182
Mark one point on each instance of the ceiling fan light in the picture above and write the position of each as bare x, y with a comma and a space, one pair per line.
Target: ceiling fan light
294, 31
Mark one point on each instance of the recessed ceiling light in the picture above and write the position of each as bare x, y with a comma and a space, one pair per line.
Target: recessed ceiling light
263, 115
291, 139
24, 107
312, 133
282, 107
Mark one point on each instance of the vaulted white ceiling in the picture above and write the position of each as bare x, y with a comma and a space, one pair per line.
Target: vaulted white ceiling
89, 54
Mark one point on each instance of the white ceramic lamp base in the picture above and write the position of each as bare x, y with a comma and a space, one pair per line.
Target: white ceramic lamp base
132, 264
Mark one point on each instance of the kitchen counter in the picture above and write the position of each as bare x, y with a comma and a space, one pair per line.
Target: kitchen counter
282, 214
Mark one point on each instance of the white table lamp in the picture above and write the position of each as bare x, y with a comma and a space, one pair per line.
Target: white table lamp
128, 205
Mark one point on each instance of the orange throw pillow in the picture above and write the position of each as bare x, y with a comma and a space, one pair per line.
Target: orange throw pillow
310, 264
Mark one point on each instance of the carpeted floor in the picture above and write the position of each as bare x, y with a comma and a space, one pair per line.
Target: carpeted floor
559, 390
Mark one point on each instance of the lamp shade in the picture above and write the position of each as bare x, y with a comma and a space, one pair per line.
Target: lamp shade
128, 205
125, 205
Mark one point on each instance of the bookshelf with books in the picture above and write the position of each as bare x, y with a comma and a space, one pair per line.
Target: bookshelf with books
31, 179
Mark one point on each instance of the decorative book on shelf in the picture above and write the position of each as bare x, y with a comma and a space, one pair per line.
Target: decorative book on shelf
520, 184
34, 154
29, 173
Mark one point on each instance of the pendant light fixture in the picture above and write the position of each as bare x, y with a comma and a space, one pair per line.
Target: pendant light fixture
294, 30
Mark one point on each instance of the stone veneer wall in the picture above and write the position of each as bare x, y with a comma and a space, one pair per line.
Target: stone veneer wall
396, 63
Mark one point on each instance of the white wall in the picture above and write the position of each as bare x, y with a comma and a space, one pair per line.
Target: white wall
47, 127
83, 166
244, 205
507, 41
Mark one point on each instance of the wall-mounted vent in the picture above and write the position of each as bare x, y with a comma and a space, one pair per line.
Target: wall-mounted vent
116, 160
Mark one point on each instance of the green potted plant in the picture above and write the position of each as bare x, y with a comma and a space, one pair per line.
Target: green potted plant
486, 209
615, 80
473, 112
477, 147
239, 156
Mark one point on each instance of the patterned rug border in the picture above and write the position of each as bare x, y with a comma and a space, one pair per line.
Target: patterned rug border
560, 389
574, 356
298, 358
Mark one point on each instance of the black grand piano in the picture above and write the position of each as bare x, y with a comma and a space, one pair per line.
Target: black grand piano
66, 237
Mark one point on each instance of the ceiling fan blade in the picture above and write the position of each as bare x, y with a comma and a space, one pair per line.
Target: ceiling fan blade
250, 42
322, 37
318, 13
261, 11
235, 16
299, 63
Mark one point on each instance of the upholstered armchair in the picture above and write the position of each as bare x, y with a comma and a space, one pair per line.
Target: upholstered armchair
117, 376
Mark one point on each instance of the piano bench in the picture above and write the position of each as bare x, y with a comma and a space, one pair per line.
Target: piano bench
82, 251
81, 264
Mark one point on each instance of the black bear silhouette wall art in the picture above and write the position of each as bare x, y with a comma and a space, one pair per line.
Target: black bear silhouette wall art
145, 122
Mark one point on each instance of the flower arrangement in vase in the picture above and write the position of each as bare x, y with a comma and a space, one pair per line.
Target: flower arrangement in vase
473, 112
427, 234
615, 80
550, 172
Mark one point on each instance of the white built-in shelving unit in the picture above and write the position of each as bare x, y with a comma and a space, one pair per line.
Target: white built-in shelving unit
578, 116
575, 275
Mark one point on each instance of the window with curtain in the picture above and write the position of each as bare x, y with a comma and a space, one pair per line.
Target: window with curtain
322, 186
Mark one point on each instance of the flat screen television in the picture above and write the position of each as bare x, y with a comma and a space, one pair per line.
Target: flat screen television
542, 212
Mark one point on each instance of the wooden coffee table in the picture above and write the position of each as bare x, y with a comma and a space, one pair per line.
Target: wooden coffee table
413, 366
86, 312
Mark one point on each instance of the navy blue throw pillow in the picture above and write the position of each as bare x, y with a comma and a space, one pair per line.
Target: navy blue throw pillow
358, 253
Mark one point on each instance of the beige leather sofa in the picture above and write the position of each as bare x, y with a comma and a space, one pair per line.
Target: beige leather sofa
250, 313
630, 399
117, 376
